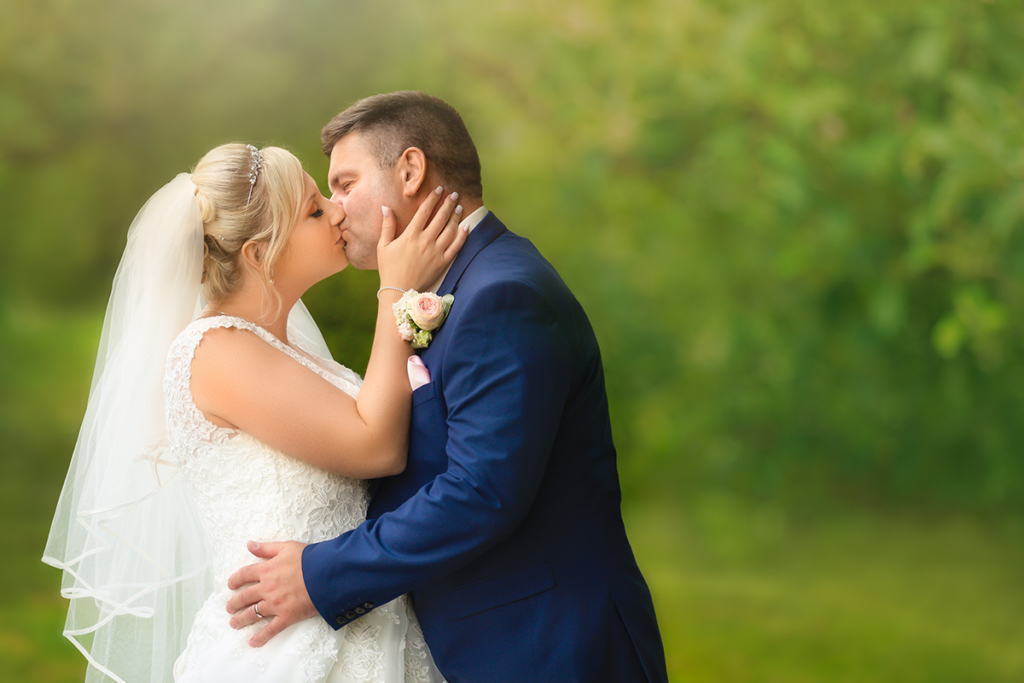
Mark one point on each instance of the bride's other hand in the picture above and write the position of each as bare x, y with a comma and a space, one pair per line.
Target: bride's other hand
421, 254
275, 587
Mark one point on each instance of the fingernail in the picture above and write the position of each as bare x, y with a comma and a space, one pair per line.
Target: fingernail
458, 210
464, 227
255, 545
455, 196
386, 211
439, 190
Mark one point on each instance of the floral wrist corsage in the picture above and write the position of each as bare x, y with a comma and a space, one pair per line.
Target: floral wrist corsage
419, 314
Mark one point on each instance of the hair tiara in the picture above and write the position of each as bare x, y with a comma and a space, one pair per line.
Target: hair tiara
255, 164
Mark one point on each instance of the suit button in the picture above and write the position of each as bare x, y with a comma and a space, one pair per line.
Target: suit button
340, 621
360, 610
368, 605
350, 614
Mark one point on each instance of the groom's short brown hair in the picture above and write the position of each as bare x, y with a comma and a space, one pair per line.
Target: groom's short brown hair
396, 121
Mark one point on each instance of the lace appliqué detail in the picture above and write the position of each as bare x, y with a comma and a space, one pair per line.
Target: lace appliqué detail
419, 665
363, 660
318, 641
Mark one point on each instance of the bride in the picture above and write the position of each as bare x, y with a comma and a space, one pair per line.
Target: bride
216, 416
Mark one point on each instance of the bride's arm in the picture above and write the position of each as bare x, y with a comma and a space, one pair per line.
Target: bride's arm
244, 381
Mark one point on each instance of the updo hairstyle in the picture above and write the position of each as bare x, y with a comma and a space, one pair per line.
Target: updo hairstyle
222, 189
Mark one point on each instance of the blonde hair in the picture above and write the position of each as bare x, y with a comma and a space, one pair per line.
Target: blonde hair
231, 218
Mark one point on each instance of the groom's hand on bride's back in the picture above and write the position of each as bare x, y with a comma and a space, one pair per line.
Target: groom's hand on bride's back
271, 591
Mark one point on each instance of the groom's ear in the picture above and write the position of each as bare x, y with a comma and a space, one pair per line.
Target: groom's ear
412, 171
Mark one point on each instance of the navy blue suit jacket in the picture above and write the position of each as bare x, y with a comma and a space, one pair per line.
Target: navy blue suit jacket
505, 526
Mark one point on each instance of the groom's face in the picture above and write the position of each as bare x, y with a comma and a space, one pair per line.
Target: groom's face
361, 188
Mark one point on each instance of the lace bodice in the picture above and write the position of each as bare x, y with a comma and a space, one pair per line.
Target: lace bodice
242, 490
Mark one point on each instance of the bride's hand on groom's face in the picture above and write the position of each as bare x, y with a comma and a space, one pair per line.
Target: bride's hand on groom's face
272, 590
427, 246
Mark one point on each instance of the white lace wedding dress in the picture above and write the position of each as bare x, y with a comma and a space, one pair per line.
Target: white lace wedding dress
245, 490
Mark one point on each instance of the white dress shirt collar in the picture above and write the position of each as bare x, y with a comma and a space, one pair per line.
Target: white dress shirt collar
472, 220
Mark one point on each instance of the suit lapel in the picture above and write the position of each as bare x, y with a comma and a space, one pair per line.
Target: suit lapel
489, 229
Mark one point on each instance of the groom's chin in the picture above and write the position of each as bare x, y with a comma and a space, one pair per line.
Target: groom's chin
363, 263
359, 259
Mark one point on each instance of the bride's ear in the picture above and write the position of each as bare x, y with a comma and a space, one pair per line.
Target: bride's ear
251, 254
412, 170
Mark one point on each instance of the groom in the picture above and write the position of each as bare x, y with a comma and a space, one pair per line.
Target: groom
505, 526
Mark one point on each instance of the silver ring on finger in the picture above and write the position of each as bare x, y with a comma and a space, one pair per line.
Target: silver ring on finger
256, 609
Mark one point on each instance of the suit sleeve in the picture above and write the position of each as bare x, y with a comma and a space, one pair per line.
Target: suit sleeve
507, 374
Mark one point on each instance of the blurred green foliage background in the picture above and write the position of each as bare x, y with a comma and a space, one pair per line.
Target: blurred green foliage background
797, 226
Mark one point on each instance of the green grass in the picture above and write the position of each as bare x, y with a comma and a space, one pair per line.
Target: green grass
744, 592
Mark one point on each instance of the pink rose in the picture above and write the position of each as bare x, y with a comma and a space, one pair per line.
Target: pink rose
427, 310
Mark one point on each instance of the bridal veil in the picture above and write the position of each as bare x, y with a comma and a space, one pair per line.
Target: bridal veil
125, 534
